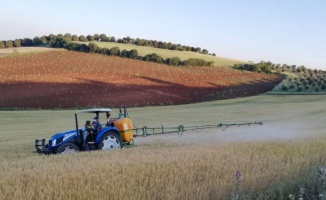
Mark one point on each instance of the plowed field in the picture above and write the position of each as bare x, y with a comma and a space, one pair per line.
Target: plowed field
64, 79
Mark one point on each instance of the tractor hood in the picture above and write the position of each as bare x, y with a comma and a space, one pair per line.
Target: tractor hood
58, 138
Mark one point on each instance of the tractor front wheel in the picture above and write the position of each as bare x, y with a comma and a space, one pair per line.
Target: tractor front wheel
67, 148
109, 141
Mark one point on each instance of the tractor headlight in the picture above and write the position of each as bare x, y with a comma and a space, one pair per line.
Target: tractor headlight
54, 142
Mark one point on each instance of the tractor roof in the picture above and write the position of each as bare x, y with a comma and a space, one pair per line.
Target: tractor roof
97, 110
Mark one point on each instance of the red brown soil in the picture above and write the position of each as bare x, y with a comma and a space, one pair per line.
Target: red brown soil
64, 79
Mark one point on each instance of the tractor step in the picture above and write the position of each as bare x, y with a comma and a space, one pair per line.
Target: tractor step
91, 145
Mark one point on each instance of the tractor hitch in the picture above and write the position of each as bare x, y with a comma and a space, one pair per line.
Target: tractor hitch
44, 147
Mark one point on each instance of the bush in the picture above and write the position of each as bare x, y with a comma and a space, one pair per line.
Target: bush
103, 37
9, 44
285, 87
266, 69
17, 43
74, 38
51, 38
104, 51
2, 45
306, 87
37, 41
124, 53
82, 38
115, 51
175, 61
299, 88
96, 37
133, 53
153, 58
61, 43
323, 87
90, 38
291, 86
93, 48
27, 42
67, 35
196, 62
316, 89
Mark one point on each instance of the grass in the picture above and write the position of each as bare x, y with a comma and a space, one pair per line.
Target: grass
165, 53
199, 165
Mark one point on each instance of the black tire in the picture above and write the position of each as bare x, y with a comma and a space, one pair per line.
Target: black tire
109, 141
67, 148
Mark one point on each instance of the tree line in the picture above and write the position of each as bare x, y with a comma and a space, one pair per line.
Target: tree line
268, 66
101, 37
63, 42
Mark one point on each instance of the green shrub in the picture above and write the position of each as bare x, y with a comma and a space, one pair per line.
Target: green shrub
316, 89
17, 43
285, 87
27, 42
2, 45
323, 87
115, 51
291, 86
306, 87
153, 58
299, 88
9, 44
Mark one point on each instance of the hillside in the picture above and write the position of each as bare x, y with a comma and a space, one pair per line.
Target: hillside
66, 79
165, 53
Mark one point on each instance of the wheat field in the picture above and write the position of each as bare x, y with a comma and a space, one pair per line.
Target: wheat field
198, 165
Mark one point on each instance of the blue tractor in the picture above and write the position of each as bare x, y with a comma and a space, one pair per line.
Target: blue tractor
87, 138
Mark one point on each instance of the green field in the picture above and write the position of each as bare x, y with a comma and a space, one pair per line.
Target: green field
165, 53
293, 81
198, 165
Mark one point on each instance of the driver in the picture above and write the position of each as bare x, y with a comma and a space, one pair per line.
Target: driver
96, 125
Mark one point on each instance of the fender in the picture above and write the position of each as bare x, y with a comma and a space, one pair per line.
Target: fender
104, 130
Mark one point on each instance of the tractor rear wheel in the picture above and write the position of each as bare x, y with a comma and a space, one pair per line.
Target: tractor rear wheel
109, 141
67, 148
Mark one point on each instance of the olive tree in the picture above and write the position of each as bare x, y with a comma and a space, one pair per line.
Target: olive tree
67, 35
82, 38
37, 41
2, 45
9, 44
90, 38
17, 43
115, 51
74, 38
27, 42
